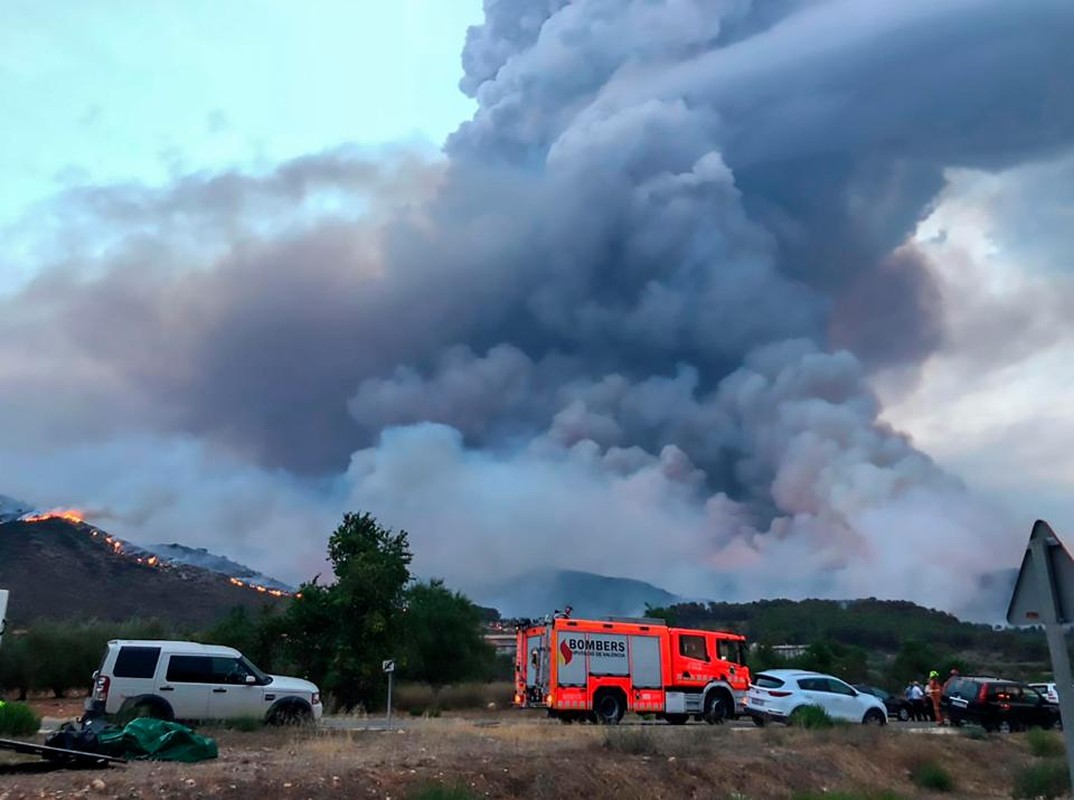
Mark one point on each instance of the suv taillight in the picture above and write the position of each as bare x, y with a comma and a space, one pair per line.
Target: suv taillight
100, 688
778, 693
983, 693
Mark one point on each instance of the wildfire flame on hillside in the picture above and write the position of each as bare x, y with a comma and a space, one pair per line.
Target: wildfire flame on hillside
262, 589
69, 514
116, 546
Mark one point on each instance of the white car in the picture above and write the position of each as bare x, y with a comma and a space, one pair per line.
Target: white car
776, 694
1051, 694
190, 681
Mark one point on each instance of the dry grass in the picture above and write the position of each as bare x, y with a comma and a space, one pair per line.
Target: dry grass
418, 697
519, 755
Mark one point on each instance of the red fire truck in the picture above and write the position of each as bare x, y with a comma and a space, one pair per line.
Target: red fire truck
597, 670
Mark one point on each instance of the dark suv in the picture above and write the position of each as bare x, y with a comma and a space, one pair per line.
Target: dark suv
997, 704
898, 707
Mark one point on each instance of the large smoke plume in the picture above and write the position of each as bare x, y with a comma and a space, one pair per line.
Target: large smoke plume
627, 325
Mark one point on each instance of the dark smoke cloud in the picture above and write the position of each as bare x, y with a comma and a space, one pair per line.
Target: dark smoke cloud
628, 324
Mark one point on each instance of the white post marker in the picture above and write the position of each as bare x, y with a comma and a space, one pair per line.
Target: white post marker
3, 613
389, 666
1044, 595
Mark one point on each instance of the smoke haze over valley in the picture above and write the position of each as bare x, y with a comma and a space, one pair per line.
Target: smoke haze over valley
666, 308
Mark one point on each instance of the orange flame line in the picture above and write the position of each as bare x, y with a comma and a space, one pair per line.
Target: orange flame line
74, 515
69, 514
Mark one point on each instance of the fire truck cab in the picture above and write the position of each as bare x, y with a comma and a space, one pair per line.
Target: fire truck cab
597, 670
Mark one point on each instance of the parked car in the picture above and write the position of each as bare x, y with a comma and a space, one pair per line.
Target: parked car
898, 707
777, 694
998, 704
189, 681
1051, 694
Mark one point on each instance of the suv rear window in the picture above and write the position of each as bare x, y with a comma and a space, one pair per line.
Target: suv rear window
966, 688
136, 662
767, 681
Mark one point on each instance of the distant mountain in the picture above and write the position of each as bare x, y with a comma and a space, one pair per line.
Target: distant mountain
59, 568
541, 591
175, 553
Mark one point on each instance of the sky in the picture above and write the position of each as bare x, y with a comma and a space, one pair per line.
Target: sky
741, 299
108, 92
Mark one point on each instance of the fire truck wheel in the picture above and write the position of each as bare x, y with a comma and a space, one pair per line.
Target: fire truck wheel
716, 711
608, 707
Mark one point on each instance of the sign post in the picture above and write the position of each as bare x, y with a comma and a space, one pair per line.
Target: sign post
389, 667
3, 613
1044, 595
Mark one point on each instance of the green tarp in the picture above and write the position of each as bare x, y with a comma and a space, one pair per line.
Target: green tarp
155, 739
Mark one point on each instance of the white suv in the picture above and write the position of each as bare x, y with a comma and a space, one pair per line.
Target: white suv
1051, 694
189, 681
776, 694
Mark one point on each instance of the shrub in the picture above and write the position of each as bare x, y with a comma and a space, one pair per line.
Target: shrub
18, 719
241, 724
811, 717
634, 740
15, 667
932, 776
975, 732
1045, 744
464, 696
438, 791
1044, 779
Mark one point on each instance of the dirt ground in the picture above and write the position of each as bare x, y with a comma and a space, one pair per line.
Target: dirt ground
512, 755
69, 707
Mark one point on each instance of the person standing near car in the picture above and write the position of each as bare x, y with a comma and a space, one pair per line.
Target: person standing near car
954, 674
935, 692
917, 701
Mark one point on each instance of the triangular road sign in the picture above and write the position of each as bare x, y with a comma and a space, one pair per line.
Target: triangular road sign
1044, 592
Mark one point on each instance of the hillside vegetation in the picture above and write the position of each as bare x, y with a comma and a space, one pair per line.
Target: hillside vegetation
62, 570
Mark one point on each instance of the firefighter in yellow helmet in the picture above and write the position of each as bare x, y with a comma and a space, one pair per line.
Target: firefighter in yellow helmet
935, 692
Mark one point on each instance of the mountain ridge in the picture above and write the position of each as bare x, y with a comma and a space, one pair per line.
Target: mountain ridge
57, 569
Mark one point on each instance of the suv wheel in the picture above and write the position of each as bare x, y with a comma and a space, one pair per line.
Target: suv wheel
904, 714
874, 717
296, 713
149, 708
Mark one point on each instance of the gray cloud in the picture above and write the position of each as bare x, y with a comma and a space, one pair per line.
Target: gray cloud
664, 256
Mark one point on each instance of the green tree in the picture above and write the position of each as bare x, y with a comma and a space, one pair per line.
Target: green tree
15, 666
443, 637
666, 613
257, 637
237, 630
913, 662
764, 657
339, 634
